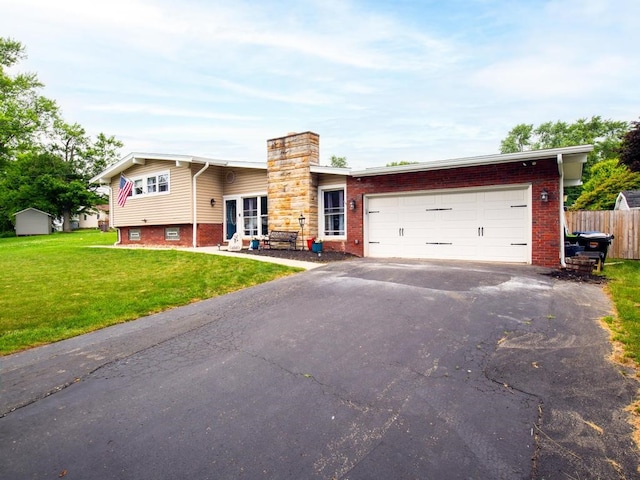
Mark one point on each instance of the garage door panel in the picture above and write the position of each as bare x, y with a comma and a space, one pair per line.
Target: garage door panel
495, 213
489, 225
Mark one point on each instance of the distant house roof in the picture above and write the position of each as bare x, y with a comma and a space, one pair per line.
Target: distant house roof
630, 197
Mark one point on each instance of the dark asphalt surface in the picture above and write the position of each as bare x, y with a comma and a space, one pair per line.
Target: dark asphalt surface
356, 370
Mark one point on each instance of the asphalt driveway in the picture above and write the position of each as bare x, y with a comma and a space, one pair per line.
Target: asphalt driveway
358, 370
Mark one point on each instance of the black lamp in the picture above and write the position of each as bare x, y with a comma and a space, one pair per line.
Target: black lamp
352, 204
301, 221
544, 195
213, 202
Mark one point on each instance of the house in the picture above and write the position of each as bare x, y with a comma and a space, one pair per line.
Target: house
628, 200
504, 208
93, 218
32, 221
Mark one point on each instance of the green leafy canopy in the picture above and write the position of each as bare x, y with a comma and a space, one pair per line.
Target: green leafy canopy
45, 162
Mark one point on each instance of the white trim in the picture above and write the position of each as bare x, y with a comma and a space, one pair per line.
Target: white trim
145, 181
195, 204
139, 158
321, 226
434, 191
240, 213
561, 216
475, 161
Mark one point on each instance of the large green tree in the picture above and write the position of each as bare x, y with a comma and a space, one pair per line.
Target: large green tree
25, 115
340, 162
630, 151
46, 182
605, 136
45, 162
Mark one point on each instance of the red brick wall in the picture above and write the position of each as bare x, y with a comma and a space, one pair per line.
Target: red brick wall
208, 235
545, 222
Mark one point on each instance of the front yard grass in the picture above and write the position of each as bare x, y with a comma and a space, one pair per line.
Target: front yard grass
624, 288
53, 287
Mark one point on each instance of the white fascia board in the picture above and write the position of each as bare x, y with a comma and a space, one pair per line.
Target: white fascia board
572, 169
330, 170
241, 164
139, 158
475, 161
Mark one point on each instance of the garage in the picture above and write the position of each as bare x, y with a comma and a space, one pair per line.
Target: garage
464, 224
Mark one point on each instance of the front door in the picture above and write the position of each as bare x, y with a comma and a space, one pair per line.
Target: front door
231, 217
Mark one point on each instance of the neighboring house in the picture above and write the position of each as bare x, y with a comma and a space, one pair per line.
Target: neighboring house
628, 200
93, 218
503, 208
32, 221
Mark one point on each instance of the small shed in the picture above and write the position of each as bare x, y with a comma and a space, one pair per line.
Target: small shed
628, 200
32, 221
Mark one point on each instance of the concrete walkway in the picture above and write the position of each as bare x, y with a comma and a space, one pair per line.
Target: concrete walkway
261, 258
222, 251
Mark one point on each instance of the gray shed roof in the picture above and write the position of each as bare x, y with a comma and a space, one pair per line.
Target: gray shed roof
632, 197
34, 209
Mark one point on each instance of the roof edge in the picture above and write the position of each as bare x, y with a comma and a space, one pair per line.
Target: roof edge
474, 161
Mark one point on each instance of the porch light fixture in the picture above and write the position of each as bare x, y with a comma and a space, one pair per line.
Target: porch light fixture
301, 221
213, 202
352, 204
544, 195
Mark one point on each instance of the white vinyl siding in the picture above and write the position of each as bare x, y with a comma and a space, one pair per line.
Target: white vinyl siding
171, 207
239, 181
209, 185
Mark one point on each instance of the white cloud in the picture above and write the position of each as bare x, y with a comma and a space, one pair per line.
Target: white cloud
378, 81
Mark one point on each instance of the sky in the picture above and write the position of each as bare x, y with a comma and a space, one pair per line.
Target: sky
379, 81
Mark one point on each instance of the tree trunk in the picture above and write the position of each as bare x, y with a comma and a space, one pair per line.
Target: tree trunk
66, 221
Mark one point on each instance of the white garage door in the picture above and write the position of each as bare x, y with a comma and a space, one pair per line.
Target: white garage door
476, 225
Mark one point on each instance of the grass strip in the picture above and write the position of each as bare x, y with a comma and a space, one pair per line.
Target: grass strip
53, 287
624, 289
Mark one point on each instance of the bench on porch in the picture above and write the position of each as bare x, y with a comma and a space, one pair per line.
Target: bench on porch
279, 237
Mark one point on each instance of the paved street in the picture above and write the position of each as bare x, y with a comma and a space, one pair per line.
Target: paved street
356, 370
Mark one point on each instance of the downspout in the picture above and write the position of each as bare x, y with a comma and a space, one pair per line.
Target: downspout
111, 213
563, 225
195, 205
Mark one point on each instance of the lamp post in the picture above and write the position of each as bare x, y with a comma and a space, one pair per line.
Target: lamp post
301, 221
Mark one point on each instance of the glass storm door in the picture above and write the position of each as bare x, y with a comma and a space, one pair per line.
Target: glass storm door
231, 218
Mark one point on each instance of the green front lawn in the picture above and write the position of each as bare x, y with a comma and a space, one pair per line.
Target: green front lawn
624, 287
53, 287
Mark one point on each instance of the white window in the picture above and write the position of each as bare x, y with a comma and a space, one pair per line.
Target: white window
254, 213
134, 234
152, 184
332, 212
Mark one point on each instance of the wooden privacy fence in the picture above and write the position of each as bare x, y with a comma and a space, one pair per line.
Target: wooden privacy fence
623, 224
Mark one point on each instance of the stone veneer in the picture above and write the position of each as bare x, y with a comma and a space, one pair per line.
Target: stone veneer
291, 188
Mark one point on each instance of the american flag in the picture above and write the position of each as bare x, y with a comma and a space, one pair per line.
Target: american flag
126, 186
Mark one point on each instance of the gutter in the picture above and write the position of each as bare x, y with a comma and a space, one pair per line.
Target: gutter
563, 225
111, 214
195, 204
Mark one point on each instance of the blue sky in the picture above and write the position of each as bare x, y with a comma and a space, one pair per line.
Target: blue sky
379, 81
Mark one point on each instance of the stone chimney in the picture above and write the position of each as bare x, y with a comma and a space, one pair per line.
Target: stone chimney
291, 189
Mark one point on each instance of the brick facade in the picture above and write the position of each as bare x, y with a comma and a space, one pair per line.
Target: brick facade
542, 175
208, 235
